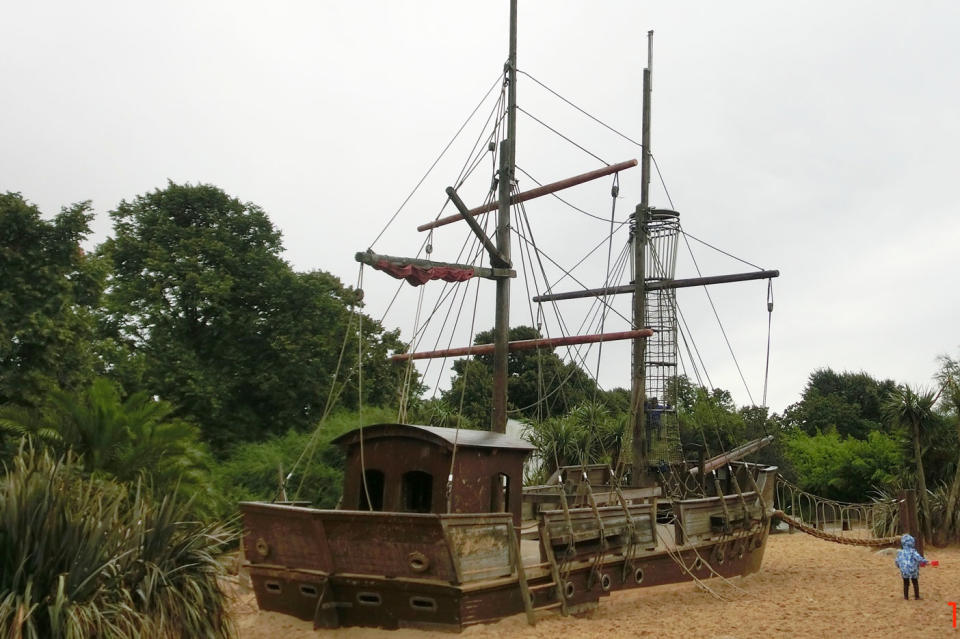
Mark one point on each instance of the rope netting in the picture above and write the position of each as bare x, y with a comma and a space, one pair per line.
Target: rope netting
869, 524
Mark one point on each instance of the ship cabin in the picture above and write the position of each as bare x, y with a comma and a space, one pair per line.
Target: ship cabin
407, 466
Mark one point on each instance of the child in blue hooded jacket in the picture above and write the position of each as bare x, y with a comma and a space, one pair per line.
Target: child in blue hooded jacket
909, 561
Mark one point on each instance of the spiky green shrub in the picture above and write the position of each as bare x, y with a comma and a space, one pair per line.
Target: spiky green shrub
84, 557
588, 434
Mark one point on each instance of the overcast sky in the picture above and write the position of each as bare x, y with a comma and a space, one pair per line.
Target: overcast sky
818, 138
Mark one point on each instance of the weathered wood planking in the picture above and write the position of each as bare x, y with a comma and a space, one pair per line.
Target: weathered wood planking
694, 514
585, 526
480, 545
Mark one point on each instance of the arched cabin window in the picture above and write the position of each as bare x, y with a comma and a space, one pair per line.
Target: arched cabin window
417, 492
500, 493
374, 487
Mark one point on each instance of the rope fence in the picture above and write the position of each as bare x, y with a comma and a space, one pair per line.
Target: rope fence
844, 522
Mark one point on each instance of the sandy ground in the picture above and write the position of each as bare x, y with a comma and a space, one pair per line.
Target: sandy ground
807, 588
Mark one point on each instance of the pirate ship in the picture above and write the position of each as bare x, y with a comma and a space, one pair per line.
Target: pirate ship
435, 528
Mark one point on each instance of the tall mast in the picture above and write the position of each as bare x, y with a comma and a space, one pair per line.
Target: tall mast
501, 332
638, 389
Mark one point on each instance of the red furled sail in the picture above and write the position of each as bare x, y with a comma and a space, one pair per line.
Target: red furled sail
418, 275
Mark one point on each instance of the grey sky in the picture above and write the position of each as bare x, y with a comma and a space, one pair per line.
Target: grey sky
818, 138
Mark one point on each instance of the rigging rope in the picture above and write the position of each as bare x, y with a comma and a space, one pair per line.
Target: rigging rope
720, 250
614, 192
766, 370
595, 119
442, 153
363, 465
720, 323
463, 391
593, 313
408, 369
553, 130
332, 395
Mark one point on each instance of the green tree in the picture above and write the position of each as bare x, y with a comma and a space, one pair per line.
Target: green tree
539, 382
471, 392
844, 468
758, 422
203, 311
48, 288
913, 410
850, 402
710, 418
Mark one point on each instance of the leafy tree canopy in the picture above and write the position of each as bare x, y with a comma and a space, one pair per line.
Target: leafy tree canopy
48, 287
203, 311
845, 468
852, 403
540, 383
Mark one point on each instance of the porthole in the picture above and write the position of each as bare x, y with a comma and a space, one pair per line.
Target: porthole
740, 547
308, 590
418, 561
605, 582
273, 586
424, 604
638, 575
369, 598
568, 589
698, 564
262, 547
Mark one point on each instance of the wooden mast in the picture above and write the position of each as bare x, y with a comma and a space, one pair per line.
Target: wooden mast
501, 331
638, 386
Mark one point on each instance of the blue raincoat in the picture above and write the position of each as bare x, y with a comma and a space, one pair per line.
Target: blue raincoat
908, 559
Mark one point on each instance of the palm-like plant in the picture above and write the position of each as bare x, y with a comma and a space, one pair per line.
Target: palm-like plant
84, 557
914, 410
588, 434
951, 393
123, 439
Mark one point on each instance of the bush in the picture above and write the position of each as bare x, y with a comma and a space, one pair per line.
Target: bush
846, 469
86, 557
124, 439
253, 471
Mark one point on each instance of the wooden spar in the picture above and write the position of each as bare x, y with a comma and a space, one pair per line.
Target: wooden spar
526, 345
546, 189
372, 259
495, 258
659, 285
742, 451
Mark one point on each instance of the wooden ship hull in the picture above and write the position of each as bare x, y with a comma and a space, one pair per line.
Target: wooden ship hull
447, 571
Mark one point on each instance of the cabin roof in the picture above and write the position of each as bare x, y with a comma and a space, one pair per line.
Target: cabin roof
445, 437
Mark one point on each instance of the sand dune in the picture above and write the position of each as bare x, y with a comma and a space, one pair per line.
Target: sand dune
807, 588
